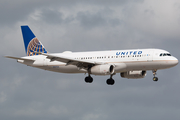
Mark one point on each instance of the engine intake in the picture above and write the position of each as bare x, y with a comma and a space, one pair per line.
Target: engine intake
102, 70
133, 74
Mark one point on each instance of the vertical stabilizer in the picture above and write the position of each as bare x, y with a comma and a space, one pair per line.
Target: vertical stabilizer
31, 43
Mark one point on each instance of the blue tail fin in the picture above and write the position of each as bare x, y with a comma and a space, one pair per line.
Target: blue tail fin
31, 43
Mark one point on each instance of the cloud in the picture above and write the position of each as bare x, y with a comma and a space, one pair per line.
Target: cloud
31, 93
3, 97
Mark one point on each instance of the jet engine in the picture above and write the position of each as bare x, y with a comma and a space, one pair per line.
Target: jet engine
133, 74
102, 70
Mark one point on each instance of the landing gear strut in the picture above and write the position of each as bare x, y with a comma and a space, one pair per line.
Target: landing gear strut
110, 81
155, 78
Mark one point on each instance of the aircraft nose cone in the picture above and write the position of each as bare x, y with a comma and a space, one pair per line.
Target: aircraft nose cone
175, 61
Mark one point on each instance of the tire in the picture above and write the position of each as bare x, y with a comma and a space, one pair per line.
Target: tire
155, 79
110, 81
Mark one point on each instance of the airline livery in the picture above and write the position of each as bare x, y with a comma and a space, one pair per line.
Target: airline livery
131, 64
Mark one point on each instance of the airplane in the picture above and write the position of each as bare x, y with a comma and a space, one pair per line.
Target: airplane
131, 64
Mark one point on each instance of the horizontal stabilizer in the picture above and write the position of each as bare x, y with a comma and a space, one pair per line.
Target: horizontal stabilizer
17, 58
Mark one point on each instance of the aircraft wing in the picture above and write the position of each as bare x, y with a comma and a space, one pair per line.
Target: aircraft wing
72, 61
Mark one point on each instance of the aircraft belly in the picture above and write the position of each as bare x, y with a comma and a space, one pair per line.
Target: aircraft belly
63, 69
134, 66
120, 67
149, 65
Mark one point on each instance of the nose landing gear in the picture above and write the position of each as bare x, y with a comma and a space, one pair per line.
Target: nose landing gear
155, 78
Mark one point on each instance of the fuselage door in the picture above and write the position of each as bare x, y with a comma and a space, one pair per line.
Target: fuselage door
45, 62
150, 55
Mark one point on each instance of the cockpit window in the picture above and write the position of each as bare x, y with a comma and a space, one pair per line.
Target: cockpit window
165, 54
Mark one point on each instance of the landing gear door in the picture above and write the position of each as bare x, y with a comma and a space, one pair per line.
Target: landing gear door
150, 55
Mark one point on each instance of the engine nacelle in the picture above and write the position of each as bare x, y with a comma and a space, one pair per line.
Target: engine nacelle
102, 70
133, 74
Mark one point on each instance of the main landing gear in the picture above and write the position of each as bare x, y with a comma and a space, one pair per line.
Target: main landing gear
88, 79
109, 81
155, 78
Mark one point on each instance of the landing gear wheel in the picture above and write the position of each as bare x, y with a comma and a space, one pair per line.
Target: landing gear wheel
154, 74
110, 81
88, 79
155, 78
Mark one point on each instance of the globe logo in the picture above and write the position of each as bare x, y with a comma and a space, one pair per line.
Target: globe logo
35, 46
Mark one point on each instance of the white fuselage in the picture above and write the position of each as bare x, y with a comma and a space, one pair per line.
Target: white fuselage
122, 60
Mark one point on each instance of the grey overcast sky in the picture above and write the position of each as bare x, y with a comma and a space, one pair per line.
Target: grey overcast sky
28, 93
